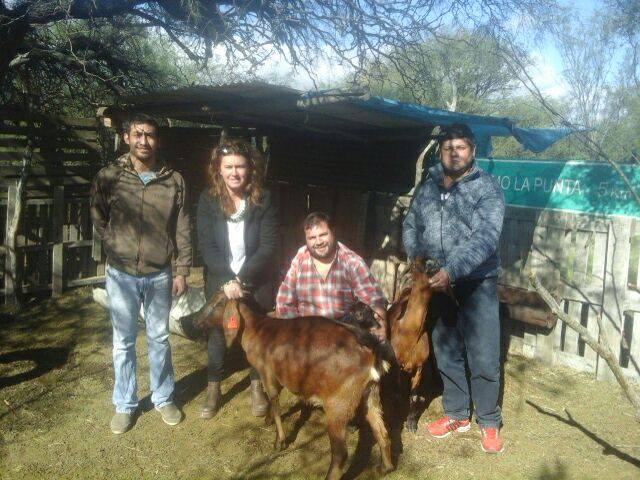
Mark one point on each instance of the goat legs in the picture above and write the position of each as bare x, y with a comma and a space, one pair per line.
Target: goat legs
337, 427
412, 417
374, 417
273, 392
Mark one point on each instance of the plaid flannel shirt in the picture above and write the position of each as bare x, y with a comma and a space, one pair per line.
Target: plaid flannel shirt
304, 292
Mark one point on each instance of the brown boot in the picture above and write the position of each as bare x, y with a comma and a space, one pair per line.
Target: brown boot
259, 403
211, 401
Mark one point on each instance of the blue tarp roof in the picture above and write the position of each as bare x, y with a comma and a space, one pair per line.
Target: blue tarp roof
340, 113
483, 126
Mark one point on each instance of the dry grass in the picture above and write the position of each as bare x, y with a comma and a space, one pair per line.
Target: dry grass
55, 389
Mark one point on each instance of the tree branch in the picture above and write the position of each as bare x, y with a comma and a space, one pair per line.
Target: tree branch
601, 346
513, 56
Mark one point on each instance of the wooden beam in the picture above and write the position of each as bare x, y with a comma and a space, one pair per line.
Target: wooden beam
57, 270
58, 213
617, 269
81, 282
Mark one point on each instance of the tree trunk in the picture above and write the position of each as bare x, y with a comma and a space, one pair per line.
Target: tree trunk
601, 346
12, 36
14, 225
420, 162
453, 104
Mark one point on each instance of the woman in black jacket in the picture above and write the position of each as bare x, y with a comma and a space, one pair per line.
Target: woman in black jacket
237, 236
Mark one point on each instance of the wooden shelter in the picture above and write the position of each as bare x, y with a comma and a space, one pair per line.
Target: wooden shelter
357, 157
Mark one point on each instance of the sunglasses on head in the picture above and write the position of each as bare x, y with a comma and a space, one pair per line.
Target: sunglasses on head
232, 149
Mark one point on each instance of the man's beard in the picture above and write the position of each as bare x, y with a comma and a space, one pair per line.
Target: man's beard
143, 154
331, 252
458, 172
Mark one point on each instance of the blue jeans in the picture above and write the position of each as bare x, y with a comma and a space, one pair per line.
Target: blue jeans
470, 332
126, 294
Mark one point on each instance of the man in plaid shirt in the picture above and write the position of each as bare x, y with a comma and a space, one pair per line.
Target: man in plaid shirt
326, 278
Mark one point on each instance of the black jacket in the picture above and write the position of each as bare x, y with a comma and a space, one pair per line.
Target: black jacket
260, 243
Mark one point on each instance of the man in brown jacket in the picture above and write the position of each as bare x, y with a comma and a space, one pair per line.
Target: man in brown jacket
138, 206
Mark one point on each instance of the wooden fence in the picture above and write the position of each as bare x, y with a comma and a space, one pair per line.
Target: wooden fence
55, 240
55, 246
590, 263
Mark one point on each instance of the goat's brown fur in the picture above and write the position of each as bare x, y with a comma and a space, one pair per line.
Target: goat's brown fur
409, 335
316, 359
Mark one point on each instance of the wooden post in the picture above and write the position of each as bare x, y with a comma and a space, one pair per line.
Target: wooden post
545, 346
96, 246
266, 153
57, 258
57, 273
616, 272
545, 341
420, 162
58, 213
361, 225
9, 281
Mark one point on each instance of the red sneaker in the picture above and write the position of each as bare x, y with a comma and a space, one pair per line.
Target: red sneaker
444, 426
491, 440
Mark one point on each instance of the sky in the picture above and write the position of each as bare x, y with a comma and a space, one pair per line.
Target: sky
546, 72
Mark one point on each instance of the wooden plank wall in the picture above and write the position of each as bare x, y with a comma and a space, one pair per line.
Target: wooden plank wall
567, 252
384, 166
56, 140
589, 263
55, 236
349, 209
55, 242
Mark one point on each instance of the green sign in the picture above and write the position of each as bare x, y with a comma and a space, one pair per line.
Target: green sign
589, 187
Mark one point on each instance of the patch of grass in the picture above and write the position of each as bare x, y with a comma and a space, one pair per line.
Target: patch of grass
55, 407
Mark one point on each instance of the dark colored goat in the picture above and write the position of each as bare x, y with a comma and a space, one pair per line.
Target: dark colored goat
320, 360
409, 335
362, 316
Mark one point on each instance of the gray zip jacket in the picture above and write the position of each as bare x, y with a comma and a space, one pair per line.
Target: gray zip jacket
459, 227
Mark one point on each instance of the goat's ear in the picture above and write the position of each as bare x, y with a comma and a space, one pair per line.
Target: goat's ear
417, 266
432, 267
219, 299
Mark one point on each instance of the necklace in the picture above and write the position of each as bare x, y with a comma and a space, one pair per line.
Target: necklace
240, 213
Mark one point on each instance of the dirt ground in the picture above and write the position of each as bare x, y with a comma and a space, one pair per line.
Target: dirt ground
55, 408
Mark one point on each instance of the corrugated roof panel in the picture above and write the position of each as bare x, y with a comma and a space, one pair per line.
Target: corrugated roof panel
357, 116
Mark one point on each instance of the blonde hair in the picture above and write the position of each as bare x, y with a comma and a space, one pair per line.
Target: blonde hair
255, 172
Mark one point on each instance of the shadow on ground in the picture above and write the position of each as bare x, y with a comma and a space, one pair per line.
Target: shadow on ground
45, 360
607, 448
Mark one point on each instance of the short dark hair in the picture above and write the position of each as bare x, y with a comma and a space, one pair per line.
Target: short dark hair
456, 130
316, 218
137, 118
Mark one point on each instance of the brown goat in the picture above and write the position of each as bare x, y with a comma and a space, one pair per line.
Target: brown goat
317, 359
409, 335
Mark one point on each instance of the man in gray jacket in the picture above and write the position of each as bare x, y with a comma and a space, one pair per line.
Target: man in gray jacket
456, 218
139, 208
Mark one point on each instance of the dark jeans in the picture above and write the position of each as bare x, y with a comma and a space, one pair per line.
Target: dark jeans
471, 332
217, 350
